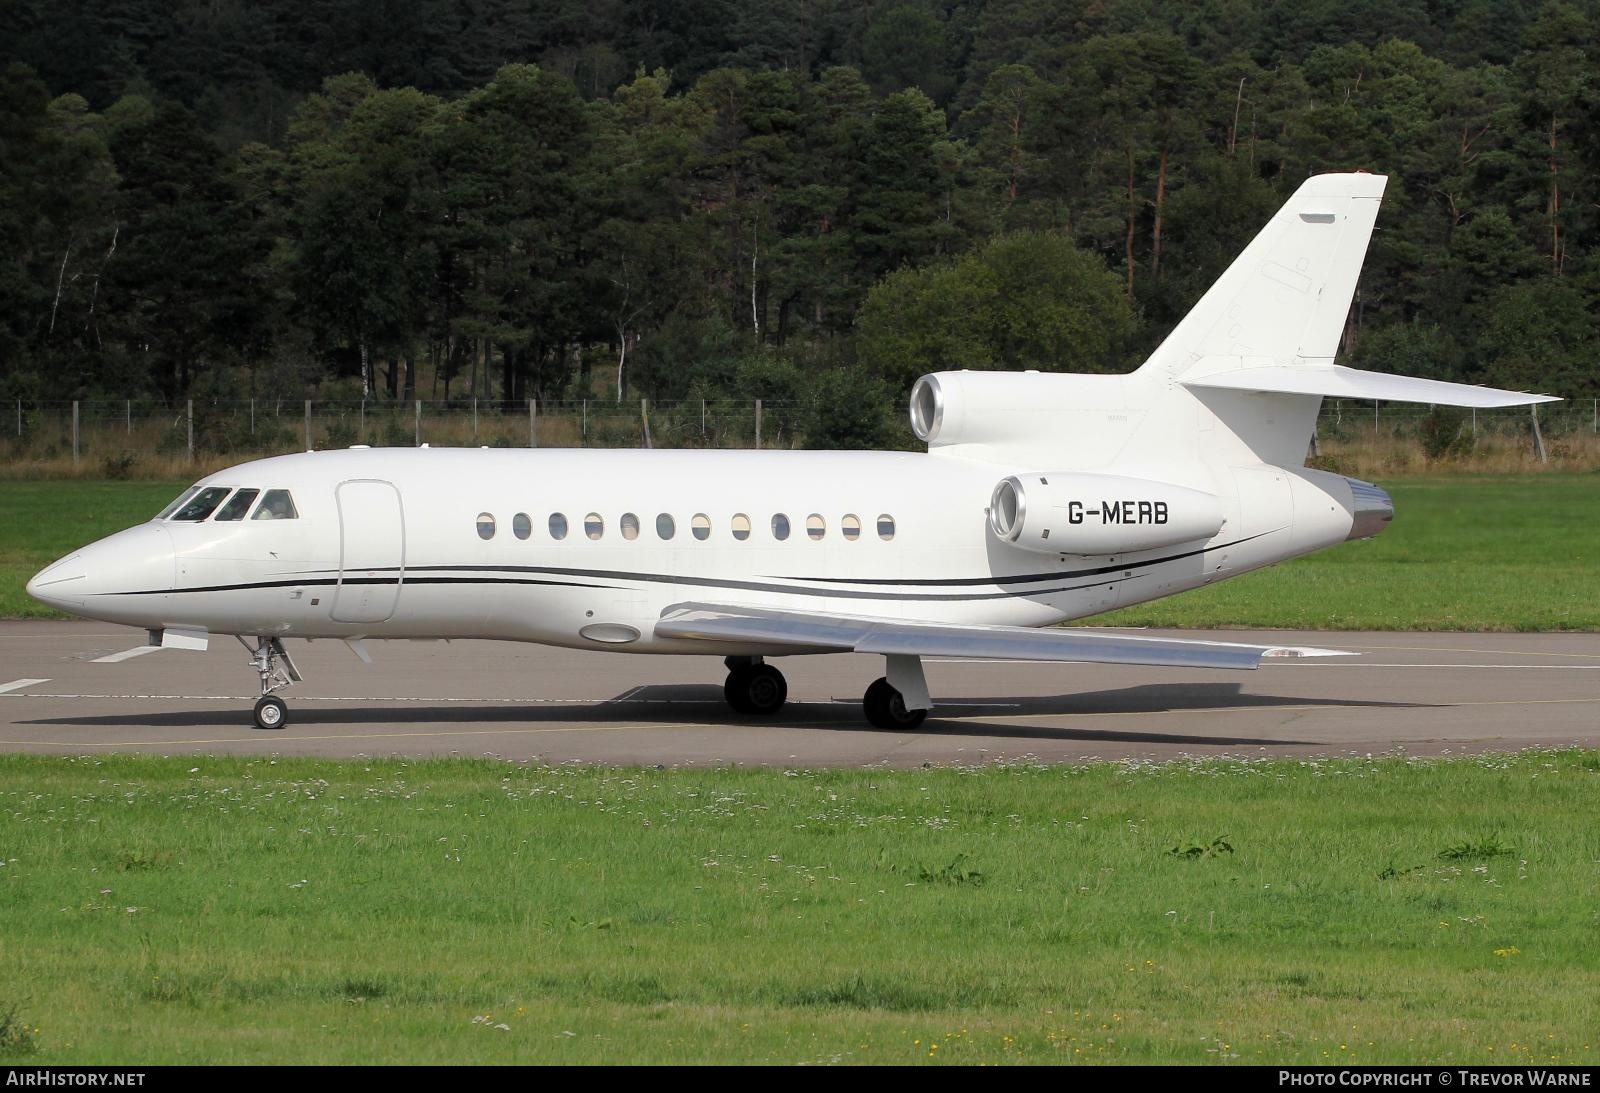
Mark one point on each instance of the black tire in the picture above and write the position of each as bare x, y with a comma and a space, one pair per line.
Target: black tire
758, 690
271, 713
886, 708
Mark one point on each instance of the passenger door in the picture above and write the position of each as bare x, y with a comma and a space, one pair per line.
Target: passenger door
372, 551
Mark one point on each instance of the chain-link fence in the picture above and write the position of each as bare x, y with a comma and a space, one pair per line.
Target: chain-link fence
115, 437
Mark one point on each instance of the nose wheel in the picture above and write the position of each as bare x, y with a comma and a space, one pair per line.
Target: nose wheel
753, 688
271, 662
271, 712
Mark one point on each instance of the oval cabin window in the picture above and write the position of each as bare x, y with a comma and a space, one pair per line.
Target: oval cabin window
700, 526
558, 525
485, 526
741, 526
816, 528
665, 528
886, 527
594, 526
629, 525
521, 526
780, 527
850, 527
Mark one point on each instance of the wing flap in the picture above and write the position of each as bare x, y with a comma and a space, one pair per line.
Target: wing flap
1337, 381
794, 631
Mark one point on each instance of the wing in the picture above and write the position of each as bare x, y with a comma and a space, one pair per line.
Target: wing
816, 632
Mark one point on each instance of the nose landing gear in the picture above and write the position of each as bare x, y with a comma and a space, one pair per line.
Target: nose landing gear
277, 671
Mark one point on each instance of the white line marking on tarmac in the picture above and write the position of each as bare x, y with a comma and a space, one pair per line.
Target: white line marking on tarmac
126, 654
18, 684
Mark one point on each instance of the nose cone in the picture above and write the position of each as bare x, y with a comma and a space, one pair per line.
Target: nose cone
1370, 509
110, 578
60, 583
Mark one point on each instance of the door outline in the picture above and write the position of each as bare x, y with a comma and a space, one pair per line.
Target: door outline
349, 605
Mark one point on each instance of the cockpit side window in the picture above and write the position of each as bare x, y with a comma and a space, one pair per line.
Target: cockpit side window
238, 505
203, 503
177, 502
276, 505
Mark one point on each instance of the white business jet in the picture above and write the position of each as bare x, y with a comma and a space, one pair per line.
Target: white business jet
1042, 498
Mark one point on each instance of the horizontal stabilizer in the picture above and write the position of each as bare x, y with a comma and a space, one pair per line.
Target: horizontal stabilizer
811, 632
1335, 381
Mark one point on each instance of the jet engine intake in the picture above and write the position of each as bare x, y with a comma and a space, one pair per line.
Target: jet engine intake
1071, 513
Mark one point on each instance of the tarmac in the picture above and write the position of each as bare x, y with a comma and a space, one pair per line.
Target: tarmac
68, 688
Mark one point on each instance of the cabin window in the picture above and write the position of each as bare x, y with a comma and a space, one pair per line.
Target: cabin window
700, 526
850, 527
594, 526
741, 526
238, 505
521, 525
665, 528
630, 526
816, 527
276, 505
177, 502
485, 525
886, 527
203, 503
558, 525
780, 527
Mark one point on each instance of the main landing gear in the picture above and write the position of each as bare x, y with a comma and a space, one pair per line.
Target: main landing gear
271, 662
754, 688
898, 701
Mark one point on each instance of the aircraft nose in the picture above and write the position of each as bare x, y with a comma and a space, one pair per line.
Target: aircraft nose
1370, 509
60, 583
138, 561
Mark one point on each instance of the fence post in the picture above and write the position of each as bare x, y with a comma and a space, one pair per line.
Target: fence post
1375, 426
252, 417
585, 433
308, 425
533, 423
127, 413
1596, 415
189, 413
474, 419
758, 423
74, 432
1538, 437
419, 423
702, 419
644, 416
1474, 423
19, 417
363, 418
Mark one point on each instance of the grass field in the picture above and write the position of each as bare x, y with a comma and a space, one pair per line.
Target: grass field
1351, 910
1464, 553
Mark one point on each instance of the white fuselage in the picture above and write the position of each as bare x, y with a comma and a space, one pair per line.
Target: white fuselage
387, 544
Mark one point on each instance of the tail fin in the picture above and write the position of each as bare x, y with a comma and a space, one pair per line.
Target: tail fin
1285, 298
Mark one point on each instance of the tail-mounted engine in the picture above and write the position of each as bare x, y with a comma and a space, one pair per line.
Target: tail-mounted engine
1071, 513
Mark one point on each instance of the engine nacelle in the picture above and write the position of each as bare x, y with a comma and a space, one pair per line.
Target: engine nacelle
1072, 513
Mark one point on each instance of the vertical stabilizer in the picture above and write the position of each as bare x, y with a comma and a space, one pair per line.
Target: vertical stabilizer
1285, 299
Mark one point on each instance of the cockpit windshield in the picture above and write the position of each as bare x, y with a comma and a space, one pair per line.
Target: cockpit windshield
238, 505
177, 502
202, 504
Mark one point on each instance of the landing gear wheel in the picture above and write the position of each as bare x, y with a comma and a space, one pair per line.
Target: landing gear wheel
886, 708
757, 690
271, 712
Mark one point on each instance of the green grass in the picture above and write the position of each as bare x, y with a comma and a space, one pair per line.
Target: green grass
43, 521
184, 910
1463, 553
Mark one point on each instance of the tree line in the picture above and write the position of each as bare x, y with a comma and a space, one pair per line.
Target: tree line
512, 199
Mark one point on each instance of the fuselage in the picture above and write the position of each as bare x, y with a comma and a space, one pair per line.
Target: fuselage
587, 548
